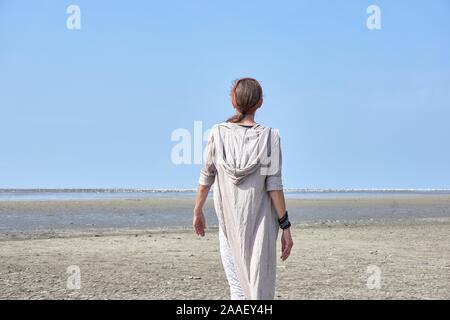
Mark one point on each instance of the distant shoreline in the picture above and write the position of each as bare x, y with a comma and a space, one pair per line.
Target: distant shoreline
163, 190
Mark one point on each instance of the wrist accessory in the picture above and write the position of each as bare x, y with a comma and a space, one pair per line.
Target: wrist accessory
284, 221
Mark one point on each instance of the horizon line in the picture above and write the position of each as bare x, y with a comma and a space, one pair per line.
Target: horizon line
181, 190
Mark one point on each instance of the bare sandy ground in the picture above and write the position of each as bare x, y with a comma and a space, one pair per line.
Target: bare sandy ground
329, 261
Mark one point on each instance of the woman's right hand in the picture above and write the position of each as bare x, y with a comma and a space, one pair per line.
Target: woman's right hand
199, 222
286, 244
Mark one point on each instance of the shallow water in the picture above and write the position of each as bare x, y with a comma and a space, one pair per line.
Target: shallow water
101, 194
38, 212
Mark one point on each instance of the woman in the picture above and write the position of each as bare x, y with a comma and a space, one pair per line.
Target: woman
243, 158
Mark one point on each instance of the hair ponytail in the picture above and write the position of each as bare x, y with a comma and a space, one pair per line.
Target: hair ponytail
236, 117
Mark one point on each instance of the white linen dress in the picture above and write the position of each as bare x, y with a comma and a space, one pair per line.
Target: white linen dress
244, 163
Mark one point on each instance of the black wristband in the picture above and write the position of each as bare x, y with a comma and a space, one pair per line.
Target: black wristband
284, 221
286, 225
283, 218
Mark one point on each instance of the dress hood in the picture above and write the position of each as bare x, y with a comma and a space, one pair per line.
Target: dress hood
241, 150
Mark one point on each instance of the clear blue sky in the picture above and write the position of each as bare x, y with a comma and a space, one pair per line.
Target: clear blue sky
95, 107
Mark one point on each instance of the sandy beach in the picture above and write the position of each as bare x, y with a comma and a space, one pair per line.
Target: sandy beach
329, 261
123, 124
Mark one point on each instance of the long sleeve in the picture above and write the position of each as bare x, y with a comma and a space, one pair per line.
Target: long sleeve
208, 171
274, 180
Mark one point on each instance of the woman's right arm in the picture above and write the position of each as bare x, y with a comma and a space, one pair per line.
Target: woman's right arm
274, 186
199, 222
279, 204
207, 177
